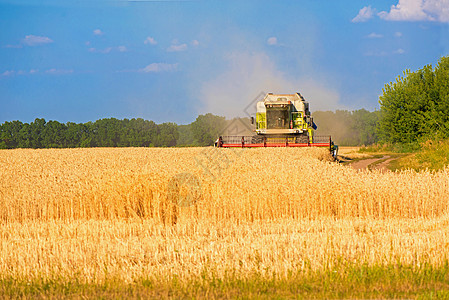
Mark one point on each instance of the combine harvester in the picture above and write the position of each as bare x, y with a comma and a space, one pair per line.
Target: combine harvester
281, 121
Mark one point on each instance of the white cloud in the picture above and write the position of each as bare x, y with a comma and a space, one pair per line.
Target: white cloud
418, 10
248, 74
398, 34
272, 41
177, 48
364, 14
8, 73
150, 40
20, 72
159, 67
98, 32
34, 40
374, 35
384, 53
13, 46
104, 51
376, 53
195, 43
108, 49
52, 71
58, 72
437, 10
408, 10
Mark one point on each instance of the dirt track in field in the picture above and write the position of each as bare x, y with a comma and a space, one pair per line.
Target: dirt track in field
372, 163
363, 160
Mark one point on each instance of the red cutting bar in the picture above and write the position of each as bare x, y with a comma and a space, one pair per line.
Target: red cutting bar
275, 145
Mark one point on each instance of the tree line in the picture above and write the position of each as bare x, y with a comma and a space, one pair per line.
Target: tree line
101, 133
354, 128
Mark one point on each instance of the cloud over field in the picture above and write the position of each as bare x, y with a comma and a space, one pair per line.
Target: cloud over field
98, 32
159, 67
35, 40
150, 40
364, 14
409, 10
177, 48
272, 41
418, 10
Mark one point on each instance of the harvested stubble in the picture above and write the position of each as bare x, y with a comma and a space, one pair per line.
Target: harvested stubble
99, 213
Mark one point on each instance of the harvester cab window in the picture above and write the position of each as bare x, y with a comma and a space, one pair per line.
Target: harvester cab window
278, 118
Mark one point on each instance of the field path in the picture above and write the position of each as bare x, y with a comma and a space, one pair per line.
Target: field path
365, 163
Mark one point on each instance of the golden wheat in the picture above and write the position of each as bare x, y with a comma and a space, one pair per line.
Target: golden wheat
94, 213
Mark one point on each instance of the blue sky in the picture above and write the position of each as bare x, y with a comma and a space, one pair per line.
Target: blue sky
169, 61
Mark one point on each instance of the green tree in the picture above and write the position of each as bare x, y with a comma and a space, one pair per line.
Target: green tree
167, 135
10, 134
364, 124
25, 139
207, 128
54, 135
416, 105
185, 135
36, 133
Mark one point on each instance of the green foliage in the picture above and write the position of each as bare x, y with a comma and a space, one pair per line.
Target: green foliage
432, 155
343, 280
167, 135
101, 133
185, 136
10, 134
388, 147
416, 106
207, 128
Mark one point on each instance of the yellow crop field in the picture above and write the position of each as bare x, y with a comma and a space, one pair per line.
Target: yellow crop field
187, 214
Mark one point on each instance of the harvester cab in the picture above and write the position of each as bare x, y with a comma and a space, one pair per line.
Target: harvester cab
284, 115
282, 120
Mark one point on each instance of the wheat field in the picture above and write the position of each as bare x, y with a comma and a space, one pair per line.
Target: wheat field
158, 213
